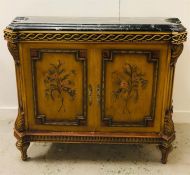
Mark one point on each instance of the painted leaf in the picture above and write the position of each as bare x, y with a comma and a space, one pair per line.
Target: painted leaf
127, 83
58, 83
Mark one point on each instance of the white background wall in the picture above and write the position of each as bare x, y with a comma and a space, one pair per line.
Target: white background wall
95, 8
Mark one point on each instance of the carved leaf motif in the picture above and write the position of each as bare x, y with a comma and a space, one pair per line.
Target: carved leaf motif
59, 82
176, 51
168, 122
128, 81
13, 49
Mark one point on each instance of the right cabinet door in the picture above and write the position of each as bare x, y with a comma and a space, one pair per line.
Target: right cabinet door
132, 88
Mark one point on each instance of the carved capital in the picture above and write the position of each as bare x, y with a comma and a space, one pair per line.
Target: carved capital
13, 49
176, 51
168, 122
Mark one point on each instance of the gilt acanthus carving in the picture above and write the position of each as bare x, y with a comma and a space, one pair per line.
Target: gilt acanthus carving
168, 122
19, 123
176, 51
13, 49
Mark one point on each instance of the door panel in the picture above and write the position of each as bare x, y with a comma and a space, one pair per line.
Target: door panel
129, 87
59, 85
102, 72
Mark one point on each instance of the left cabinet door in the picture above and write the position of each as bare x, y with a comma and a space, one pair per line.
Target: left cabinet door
56, 86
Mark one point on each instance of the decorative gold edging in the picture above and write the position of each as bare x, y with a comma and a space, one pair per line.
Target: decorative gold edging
178, 38
94, 138
24, 140
68, 36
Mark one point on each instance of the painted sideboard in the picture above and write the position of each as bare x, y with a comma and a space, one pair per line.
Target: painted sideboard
95, 80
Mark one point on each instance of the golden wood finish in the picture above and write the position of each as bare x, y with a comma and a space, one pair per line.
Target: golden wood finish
95, 87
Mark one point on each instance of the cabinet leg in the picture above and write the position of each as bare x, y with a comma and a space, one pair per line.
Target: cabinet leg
22, 147
165, 150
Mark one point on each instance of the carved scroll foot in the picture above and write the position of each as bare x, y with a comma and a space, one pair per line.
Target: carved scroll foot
165, 150
22, 147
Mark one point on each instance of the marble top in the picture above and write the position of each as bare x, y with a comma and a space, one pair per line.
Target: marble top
97, 24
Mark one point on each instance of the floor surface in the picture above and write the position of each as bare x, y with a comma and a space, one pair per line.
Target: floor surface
89, 159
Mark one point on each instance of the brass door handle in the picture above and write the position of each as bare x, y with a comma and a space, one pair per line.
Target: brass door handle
90, 94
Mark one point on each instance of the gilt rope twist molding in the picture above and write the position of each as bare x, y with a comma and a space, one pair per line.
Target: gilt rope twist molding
175, 37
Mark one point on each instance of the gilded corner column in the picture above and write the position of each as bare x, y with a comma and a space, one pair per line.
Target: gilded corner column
22, 144
176, 48
12, 44
14, 50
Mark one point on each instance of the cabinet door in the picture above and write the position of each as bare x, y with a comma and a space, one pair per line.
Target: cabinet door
132, 88
56, 87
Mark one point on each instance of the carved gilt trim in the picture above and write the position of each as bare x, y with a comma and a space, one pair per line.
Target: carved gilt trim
178, 38
10, 35
176, 51
13, 49
68, 36
94, 139
91, 137
20, 123
168, 122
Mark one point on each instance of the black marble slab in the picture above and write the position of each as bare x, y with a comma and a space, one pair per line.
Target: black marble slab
96, 24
